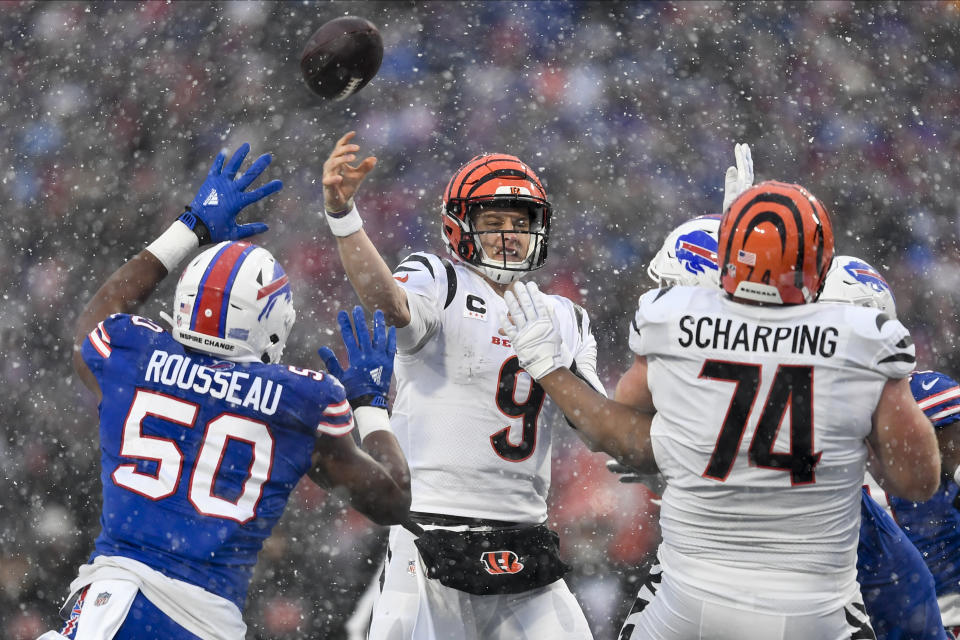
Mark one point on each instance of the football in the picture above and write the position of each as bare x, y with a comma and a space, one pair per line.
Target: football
341, 57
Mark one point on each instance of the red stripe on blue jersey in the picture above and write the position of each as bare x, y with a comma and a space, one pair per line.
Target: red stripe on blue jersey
215, 288
939, 398
337, 419
100, 340
336, 410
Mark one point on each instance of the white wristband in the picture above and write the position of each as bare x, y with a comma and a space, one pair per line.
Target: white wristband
346, 223
370, 419
173, 245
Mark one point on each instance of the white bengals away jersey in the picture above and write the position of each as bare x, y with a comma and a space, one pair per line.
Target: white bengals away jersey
761, 418
469, 420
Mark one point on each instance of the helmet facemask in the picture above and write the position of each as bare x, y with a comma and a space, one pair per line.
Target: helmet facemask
234, 301
507, 268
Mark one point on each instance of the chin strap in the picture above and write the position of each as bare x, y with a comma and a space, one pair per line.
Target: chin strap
166, 318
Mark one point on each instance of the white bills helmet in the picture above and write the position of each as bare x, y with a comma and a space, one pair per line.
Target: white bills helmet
689, 255
234, 301
853, 281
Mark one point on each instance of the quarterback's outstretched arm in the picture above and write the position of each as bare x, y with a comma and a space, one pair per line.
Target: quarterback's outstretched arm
366, 269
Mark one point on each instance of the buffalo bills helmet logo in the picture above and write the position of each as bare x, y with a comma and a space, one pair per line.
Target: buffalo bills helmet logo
500, 562
866, 275
697, 252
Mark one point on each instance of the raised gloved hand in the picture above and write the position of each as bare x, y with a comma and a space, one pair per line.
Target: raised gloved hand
739, 178
367, 380
212, 214
532, 329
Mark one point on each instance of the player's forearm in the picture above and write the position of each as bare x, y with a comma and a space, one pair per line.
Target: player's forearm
129, 287
123, 292
383, 447
381, 499
372, 279
616, 428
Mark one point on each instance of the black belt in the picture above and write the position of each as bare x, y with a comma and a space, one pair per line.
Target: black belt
442, 520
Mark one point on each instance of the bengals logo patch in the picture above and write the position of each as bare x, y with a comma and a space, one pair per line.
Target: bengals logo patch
500, 562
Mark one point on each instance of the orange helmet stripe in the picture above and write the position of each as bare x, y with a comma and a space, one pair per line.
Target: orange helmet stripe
776, 235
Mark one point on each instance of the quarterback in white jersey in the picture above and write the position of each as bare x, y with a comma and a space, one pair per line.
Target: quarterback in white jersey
758, 408
477, 560
482, 450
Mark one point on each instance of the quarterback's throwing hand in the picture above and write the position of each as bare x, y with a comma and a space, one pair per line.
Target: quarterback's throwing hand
367, 380
342, 179
532, 329
221, 198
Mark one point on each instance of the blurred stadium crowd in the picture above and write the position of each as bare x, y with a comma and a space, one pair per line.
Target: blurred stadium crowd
113, 111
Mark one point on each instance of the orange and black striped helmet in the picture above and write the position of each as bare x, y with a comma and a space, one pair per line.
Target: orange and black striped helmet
775, 245
502, 181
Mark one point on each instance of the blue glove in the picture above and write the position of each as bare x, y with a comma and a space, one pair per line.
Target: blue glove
220, 199
367, 380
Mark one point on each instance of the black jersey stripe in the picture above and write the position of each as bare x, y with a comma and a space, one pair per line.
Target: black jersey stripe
415, 258
578, 312
662, 292
899, 357
451, 282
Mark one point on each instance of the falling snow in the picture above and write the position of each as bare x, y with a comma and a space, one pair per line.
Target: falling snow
628, 112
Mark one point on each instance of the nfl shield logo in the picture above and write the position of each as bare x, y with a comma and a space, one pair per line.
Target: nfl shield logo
412, 567
102, 599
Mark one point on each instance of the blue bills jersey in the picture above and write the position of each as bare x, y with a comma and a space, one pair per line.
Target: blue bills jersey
934, 526
897, 588
199, 455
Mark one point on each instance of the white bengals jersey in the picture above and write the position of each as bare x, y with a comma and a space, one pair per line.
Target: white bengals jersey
761, 418
468, 418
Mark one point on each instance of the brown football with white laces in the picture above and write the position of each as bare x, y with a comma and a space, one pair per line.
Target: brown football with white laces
341, 57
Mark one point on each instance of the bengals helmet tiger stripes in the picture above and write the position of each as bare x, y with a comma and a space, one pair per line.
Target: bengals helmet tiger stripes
502, 181
775, 245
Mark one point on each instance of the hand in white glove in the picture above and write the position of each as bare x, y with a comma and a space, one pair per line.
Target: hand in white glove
738, 178
532, 329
